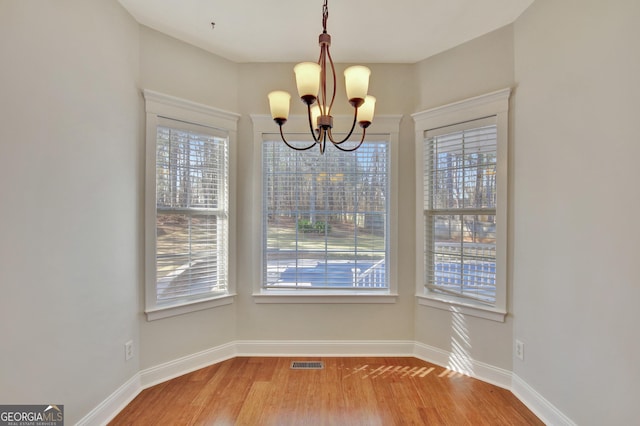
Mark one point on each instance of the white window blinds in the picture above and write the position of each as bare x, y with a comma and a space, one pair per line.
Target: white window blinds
191, 211
460, 210
325, 218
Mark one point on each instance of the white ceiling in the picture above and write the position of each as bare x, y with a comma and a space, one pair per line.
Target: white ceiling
373, 31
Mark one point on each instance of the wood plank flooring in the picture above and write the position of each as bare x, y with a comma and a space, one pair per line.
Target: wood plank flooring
348, 391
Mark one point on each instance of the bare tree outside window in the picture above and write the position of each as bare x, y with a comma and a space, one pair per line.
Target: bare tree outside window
191, 217
325, 217
460, 213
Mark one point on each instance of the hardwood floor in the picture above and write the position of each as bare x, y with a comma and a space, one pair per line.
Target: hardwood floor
348, 391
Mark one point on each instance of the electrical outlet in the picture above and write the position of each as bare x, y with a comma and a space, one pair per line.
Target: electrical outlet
520, 350
128, 350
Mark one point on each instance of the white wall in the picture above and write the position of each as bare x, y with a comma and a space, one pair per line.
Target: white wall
480, 66
70, 212
576, 283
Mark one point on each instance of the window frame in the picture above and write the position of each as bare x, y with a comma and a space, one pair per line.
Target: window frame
263, 129
159, 106
488, 105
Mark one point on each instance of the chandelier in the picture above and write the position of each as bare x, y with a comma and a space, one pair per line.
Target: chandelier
311, 81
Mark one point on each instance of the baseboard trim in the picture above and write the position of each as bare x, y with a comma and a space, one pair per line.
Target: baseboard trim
110, 407
324, 348
542, 408
119, 399
181, 366
464, 365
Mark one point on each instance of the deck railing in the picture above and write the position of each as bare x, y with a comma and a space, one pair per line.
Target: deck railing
372, 277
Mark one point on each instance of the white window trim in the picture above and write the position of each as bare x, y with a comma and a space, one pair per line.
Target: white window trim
160, 105
387, 125
491, 104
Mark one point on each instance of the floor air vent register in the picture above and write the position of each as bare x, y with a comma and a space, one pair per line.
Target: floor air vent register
307, 365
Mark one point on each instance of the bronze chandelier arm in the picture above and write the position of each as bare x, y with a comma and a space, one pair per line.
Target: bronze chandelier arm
321, 138
353, 126
293, 147
333, 73
364, 132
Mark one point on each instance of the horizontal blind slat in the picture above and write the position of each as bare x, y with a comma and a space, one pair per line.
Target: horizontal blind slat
459, 202
316, 207
192, 203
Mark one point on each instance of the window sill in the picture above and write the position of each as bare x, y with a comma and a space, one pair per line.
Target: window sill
467, 308
184, 308
323, 297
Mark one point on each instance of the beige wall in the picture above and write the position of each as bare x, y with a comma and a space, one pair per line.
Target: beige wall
491, 60
70, 180
480, 66
576, 283
100, 89
71, 167
320, 321
477, 67
206, 78
175, 68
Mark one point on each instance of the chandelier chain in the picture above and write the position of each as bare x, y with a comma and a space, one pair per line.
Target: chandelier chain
325, 16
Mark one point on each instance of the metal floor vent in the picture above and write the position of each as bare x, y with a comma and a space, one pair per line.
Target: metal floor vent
307, 365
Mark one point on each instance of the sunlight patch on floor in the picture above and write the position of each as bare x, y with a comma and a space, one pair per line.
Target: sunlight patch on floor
385, 371
460, 358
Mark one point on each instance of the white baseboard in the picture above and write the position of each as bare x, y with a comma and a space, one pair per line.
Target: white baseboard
324, 348
178, 367
542, 408
465, 365
111, 406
